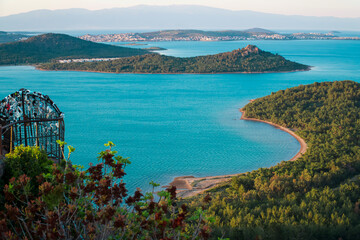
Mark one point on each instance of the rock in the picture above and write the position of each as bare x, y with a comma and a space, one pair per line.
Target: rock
252, 49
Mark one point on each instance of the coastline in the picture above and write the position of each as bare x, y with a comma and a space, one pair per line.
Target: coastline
300, 70
189, 186
303, 145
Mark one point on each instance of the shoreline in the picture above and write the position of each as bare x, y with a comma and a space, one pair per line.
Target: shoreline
293, 71
189, 186
303, 145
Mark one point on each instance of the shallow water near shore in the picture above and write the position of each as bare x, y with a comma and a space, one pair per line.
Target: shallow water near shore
174, 125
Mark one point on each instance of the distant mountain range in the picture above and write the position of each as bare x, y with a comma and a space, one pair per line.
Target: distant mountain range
167, 17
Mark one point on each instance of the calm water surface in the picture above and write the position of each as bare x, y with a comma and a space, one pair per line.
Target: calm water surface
171, 125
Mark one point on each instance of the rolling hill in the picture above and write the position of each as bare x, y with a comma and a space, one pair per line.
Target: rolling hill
248, 60
47, 47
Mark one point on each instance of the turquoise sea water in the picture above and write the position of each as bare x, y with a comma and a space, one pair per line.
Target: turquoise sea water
173, 125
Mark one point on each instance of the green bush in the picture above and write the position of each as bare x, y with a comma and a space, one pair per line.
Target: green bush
72, 203
31, 161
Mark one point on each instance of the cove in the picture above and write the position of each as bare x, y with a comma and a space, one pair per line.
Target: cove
176, 125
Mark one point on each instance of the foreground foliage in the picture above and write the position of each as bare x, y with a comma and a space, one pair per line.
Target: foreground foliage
248, 59
71, 203
315, 197
31, 161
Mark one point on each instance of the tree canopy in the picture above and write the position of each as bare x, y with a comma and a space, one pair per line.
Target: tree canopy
248, 59
50, 46
315, 197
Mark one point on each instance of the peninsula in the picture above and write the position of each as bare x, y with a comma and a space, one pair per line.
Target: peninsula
246, 60
50, 47
317, 196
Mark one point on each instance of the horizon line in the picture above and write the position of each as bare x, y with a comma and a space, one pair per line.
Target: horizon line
170, 5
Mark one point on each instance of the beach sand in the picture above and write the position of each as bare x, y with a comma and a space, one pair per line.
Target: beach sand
188, 186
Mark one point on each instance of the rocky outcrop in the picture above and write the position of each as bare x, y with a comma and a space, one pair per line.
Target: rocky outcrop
246, 51
249, 49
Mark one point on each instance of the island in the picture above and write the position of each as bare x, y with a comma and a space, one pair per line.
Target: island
314, 197
155, 49
51, 47
250, 59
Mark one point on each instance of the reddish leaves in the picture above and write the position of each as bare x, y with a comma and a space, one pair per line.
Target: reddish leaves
89, 205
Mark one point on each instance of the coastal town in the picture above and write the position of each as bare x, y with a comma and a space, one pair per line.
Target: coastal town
78, 60
197, 35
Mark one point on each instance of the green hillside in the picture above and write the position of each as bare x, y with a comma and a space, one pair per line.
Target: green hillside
314, 197
46, 47
10, 37
248, 59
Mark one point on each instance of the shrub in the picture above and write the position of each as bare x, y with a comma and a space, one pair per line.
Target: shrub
31, 161
94, 204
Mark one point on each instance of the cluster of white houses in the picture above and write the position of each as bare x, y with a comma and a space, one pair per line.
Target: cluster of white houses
169, 36
86, 60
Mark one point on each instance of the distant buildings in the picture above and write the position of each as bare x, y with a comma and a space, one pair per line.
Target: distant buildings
86, 60
184, 35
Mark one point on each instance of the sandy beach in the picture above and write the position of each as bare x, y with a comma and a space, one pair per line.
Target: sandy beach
189, 186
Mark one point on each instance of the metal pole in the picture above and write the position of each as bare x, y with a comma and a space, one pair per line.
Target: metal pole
60, 148
25, 135
24, 114
37, 134
11, 138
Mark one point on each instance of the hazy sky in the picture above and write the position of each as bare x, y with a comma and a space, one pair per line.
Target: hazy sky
337, 8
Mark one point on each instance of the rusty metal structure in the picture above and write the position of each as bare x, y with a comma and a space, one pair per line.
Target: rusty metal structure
31, 119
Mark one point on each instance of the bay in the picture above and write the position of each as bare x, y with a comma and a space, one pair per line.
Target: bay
182, 124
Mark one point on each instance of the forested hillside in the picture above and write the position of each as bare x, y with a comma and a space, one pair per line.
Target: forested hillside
46, 47
11, 37
248, 59
315, 197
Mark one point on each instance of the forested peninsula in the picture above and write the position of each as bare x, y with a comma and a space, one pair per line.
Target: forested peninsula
51, 47
246, 60
314, 197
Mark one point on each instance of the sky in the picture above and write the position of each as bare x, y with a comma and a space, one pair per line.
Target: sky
336, 8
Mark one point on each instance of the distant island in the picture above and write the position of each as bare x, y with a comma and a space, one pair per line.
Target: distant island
199, 35
155, 49
246, 60
51, 47
62, 52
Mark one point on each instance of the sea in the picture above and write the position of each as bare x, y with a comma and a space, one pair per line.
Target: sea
173, 125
